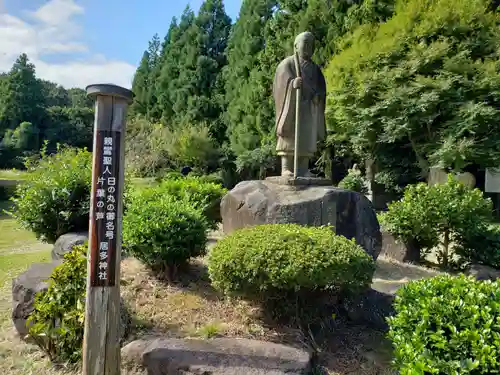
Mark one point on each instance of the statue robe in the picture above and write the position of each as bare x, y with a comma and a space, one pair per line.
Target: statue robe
312, 107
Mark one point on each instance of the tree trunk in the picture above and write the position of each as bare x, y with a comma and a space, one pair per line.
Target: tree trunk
446, 248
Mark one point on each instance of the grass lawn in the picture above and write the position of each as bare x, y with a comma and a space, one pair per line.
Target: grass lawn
15, 240
12, 174
18, 249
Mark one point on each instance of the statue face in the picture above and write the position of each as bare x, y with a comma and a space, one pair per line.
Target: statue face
305, 48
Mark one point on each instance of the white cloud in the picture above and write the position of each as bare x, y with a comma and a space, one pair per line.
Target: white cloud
56, 12
53, 29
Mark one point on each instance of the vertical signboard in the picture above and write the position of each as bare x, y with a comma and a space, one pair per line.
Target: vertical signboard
105, 205
101, 349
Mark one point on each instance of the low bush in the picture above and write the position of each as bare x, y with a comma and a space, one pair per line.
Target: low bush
447, 325
275, 258
256, 163
161, 232
481, 245
57, 322
54, 198
439, 215
198, 192
146, 148
153, 149
193, 145
354, 181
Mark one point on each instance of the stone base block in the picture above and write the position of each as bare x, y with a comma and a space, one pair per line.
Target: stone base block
264, 202
220, 356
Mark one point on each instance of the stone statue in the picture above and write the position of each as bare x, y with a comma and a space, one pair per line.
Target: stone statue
309, 82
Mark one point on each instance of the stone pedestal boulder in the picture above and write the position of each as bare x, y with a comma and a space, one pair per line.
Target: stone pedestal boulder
66, 242
24, 288
220, 356
273, 202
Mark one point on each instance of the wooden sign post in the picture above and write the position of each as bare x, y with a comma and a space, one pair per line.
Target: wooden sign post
101, 344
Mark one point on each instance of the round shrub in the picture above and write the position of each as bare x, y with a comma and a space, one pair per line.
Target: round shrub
57, 322
442, 214
447, 325
54, 198
161, 232
288, 257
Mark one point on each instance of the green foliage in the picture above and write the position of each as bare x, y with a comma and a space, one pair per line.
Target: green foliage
354, 181
57, 321
55, 196
55, 95
32, 110
6, 192
262, 36
72, 126
24, 137
178, 81
79, 99
421, 89
193, 146
481, 245
18, 143
22, 98
153, 149
161, 232
276, 258
248, 115
207, 71
197, 192
446, 325
140, 86
257, 162
146, 148
442, 214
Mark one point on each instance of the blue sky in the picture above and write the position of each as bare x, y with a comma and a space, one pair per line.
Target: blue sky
78, 42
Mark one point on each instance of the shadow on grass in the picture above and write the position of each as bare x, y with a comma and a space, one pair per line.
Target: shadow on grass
5, 205
143, 328
355, 349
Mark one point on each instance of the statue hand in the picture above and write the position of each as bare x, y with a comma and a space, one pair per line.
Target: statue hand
297, 83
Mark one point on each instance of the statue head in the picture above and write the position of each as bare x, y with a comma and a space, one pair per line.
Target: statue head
304, 45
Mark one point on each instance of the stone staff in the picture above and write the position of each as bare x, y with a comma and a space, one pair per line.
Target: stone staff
297, 119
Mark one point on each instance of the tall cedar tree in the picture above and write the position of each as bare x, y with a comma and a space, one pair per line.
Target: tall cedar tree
247, 41
181, 79
166, 86
154, 54
196, 90
140, 85
22, 98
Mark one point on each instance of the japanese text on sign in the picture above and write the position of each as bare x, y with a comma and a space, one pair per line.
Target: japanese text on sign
103, 254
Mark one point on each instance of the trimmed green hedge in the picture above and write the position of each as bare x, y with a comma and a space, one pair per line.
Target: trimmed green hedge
288, 257
447, 325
